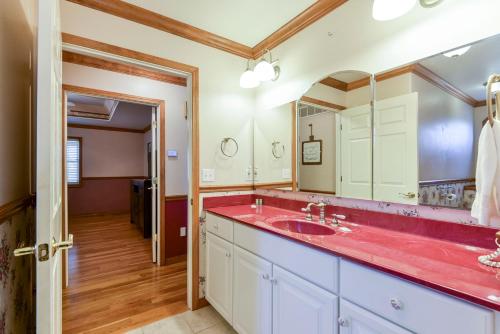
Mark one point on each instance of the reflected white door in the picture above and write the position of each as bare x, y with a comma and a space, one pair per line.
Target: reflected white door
395, 149
355, 150
48, 170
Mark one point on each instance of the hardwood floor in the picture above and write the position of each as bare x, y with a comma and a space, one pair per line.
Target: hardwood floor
113, 285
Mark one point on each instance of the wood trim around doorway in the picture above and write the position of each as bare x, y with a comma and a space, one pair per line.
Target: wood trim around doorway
193, 71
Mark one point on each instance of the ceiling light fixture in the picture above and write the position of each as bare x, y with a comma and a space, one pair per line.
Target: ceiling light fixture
457, 52
264, 71
430, 3
385, 10
267, 70
248, 78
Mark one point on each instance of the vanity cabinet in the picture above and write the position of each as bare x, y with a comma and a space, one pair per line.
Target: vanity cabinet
252, 299
262, 283
356, 320
301, 307
219, 288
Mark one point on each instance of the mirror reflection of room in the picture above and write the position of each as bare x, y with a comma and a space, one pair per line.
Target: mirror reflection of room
334, 144
428, 153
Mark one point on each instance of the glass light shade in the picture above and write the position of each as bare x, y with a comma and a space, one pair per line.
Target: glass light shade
457, 52
264, 70
249, 79
385, 10
495, 87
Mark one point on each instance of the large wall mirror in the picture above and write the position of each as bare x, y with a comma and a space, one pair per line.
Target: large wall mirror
427, 117
321, 143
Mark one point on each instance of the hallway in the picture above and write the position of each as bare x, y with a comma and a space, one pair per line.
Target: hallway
113, 286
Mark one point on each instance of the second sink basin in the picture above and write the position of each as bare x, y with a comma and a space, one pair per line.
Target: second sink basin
301, 226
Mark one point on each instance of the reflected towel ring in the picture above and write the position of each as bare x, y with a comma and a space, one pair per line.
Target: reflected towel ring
223, 144
275, 150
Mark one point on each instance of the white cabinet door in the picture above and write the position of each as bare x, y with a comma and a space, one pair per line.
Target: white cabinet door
219, 285
395, 160
252, 312
356, 152
300, 307
355, 320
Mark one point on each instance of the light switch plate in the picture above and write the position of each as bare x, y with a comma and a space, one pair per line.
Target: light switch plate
286, 173
183, 231
208, 175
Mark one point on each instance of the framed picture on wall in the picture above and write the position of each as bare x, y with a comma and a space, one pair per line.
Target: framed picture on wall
312, 152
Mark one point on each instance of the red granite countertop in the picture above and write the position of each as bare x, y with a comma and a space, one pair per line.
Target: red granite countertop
442, 265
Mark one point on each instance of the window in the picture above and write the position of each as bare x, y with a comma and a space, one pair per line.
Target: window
74, 161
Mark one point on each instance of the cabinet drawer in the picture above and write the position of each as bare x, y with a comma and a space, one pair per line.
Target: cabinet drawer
416, 308
313, 265
220, 226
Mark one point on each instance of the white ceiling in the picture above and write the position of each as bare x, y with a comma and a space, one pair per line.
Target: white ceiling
127, 115
470, 71
244, 21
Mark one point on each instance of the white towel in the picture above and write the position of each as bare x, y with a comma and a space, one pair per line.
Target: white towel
487, 174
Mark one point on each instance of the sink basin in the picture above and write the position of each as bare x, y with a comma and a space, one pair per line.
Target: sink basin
301, 226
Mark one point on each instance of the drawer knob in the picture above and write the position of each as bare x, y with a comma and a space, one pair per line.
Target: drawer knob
228, 254
216, 227
274, 281
396, 304
343, 322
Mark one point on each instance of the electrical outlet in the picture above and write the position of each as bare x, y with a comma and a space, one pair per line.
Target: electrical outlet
286, 173
183, 231
208, 175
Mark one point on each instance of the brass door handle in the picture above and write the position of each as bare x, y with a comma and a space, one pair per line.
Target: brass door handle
408, 195
62, 244
22, 251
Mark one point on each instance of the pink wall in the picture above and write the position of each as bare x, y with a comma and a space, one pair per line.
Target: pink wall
175, 218
109, 154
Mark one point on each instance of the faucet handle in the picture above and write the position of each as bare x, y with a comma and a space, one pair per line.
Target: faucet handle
308, 211
335, 215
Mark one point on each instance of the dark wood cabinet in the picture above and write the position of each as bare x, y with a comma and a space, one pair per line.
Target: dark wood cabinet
140, 205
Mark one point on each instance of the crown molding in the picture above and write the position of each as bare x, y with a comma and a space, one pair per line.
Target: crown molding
322, 103
164, 23
312, 14
85, 60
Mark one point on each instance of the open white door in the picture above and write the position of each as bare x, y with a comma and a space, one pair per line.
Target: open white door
356, 152
395, 159
155, 167
48, 171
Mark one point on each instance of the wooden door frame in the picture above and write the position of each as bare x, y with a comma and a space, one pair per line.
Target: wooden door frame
162, 142
193, 72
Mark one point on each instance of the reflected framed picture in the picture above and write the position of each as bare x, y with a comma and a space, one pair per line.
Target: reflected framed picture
312, 152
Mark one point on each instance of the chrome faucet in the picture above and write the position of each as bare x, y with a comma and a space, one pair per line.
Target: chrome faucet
321, 206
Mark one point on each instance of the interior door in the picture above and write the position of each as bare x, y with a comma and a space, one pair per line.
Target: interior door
395, 149
356, 152
155, 162
49, 170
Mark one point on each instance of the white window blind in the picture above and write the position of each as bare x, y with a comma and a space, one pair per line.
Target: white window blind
73, 156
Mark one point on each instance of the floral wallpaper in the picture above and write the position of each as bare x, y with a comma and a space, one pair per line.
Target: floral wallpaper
16, 276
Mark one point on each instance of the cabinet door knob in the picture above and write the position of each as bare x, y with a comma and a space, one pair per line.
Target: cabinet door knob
274, 280
343, 322
396, 304
408, 195
228, 254
265, 276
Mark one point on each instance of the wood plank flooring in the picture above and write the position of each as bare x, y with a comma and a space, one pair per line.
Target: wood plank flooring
113, 285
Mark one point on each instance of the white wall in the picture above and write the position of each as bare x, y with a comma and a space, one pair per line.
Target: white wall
110, 153
175, 98
273, 125
318, 177
360, 43
327, 93
445, 134
226, 110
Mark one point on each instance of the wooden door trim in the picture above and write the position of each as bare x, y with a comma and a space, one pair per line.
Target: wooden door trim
294, 144
322, 103
136, 99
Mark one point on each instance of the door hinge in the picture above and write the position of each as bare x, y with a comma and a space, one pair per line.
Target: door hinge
341, 179
340, 127
154, 181
155, 237
154, 124
191, 201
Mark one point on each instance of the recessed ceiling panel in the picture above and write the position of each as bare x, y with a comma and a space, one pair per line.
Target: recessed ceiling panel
246, 22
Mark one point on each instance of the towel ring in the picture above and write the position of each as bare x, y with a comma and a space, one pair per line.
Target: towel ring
275, 150
487, 260
494, 78
223, 144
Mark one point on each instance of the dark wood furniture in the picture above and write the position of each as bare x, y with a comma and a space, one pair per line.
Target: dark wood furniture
140, 205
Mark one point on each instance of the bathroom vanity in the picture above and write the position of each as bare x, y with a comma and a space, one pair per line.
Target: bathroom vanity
267, 271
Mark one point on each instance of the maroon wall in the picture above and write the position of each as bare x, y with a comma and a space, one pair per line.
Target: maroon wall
110, 195
175, 218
